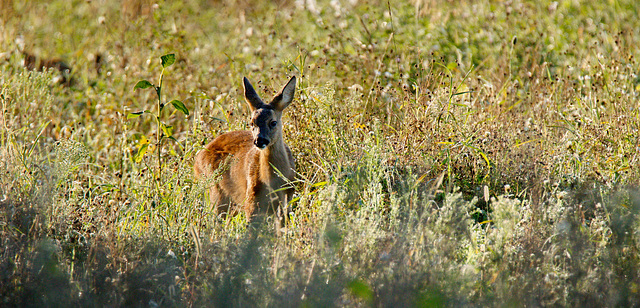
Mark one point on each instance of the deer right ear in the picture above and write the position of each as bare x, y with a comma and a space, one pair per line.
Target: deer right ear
285, 97
251, 96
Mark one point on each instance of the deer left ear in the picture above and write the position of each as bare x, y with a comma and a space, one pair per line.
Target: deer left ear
251, 96
285, 97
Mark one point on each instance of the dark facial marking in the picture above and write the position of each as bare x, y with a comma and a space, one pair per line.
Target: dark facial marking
262, 116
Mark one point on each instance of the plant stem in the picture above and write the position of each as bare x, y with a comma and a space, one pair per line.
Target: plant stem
158, 137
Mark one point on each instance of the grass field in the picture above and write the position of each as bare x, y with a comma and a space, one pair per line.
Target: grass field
449, 153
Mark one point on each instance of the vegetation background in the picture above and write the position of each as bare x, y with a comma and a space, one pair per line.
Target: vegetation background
450, 153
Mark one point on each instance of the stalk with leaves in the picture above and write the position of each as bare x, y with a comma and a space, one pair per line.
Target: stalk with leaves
163, 130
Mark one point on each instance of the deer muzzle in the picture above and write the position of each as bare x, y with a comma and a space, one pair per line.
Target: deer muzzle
261, 142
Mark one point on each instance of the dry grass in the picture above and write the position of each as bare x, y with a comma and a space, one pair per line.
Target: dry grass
471, 153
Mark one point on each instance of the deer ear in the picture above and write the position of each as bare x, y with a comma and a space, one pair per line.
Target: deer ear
251, 96
285, 97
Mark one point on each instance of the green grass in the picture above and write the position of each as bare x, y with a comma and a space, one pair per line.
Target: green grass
450, 153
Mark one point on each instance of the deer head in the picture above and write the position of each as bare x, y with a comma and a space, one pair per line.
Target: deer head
266, 119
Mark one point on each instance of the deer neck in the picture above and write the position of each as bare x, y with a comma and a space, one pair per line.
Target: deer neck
274, 156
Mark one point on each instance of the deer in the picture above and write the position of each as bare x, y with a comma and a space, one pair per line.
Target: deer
255, 167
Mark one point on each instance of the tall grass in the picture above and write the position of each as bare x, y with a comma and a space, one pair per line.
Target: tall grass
472, 153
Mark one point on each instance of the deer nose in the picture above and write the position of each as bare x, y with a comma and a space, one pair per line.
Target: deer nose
261, 142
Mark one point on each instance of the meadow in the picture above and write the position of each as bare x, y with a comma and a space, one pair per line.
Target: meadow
449, 153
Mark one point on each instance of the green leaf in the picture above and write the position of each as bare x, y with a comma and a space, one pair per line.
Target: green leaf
143, 84
168, 59
134, 115
180, 106
177, 142
320, 184
141, 151
168, 130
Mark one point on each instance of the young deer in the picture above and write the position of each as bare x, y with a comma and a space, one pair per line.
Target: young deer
252, 163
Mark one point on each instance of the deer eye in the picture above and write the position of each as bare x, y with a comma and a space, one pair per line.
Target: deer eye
273, 123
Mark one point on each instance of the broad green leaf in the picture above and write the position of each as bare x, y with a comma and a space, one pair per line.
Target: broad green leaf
143, 84
180, 106
141, 151
168, 130
137, 114
168, 59
134, 115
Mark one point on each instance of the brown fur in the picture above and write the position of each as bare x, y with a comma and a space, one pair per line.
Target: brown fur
32, 62
249, 181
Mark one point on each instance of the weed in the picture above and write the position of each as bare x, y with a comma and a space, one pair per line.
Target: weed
163, 130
